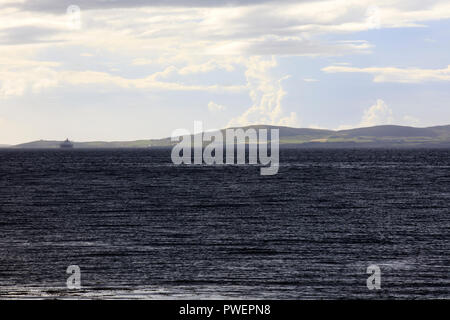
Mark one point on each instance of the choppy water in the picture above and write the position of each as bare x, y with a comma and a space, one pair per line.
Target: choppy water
140, 227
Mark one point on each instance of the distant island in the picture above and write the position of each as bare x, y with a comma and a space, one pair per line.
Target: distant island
386, 136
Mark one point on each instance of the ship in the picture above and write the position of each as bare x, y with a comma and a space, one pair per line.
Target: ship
66, 144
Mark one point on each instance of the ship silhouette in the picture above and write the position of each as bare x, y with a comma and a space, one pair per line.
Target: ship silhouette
66, 144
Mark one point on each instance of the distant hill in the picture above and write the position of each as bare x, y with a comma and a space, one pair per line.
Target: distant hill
50, 144
378, 136
389, 131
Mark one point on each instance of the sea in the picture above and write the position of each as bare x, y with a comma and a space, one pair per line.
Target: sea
140, 227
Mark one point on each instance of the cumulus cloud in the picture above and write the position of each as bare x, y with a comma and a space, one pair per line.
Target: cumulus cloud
266, 93
381, 114
214, 107
392, 74
377, 114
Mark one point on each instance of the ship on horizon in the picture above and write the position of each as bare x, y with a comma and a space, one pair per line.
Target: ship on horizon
66, 144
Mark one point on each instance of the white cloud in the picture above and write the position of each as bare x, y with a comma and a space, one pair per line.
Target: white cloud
141, 62
392, 74
411, 121
266, 93
211, 65
150, 82
380, 114
265, 27
214, 107
17, 81
377, 114
289, 121
12, 87
179, 39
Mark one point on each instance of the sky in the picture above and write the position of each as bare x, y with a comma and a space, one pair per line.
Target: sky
135, 69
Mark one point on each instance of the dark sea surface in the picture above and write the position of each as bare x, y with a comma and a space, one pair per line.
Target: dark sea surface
140, 227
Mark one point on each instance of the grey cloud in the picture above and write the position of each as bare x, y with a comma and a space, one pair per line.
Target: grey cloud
27, 35
55, 6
